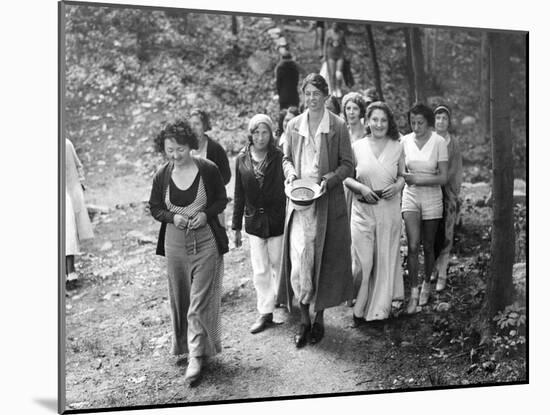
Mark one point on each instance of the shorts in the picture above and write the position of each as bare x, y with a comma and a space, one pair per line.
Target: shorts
426, 200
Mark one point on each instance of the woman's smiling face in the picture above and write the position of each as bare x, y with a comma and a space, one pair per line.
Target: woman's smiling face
378, 123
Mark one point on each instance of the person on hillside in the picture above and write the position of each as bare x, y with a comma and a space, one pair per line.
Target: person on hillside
319, 41
284, 117
187, 196
451, 201
375, 215
316, 263
426, 162
334, 51
260, 197
208, 148
77, 222
287, 75
333, 105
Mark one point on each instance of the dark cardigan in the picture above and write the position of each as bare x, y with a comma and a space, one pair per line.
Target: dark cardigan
216, 200
287, 74
216, 154
263, 207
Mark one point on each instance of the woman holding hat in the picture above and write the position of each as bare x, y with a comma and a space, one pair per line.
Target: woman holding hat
316, 263
451, 191
375, 215
187, 196
426, 163
260, 197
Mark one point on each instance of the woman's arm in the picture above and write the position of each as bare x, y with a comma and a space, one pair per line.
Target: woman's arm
217, 190
345, 160
156, 200
420, 179
288, 158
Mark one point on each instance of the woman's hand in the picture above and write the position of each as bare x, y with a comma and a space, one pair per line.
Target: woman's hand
369, 195
410, 178
390, 191
290, 179
197, 221
180, 221
238, 238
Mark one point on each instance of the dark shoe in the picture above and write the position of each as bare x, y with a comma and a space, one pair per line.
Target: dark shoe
317, 333
261, 323
357, 321
300, 340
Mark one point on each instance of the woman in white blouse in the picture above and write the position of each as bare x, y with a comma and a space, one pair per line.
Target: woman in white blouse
426, 163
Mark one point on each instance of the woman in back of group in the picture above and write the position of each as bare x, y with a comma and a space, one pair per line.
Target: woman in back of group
187, 196
426, 164
451, 191
260, 197
208, 148
375, 215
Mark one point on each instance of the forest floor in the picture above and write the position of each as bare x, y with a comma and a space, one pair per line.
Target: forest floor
117, 318
118, 324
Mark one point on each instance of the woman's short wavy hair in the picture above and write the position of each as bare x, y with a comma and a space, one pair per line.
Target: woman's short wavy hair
393, 132
422, 109
317, 81
357, 99
203, 116
180, 131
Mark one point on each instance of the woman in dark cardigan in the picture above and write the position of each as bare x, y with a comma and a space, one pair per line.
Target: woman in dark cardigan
187, 196
260, 197
208, 148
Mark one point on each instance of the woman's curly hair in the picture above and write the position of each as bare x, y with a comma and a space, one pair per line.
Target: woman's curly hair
180, 131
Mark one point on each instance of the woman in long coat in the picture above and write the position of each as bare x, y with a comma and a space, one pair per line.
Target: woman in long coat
331, 269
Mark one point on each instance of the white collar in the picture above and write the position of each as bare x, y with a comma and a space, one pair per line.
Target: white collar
324, 125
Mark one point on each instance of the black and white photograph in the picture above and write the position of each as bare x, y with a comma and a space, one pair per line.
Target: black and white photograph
263, 206
289, 208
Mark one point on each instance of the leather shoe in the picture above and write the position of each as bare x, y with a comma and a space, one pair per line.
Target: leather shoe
317, 333
357, 321
193, 372
300, 340
261, 323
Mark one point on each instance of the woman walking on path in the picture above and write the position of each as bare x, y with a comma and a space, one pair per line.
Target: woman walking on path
77, 222
208, 148
260, 197
187, 196
316, 263
375, 216
426, 164
451, 202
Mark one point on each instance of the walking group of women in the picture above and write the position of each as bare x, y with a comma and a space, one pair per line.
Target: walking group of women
344, 246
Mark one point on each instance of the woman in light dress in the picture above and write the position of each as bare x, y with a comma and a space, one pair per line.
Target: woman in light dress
375, 215
77, 222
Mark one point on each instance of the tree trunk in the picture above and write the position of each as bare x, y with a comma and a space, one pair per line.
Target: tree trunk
499, 284
376, 68
418, 64
484, 114
410, 68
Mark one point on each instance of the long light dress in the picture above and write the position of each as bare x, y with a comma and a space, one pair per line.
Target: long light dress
375, 232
